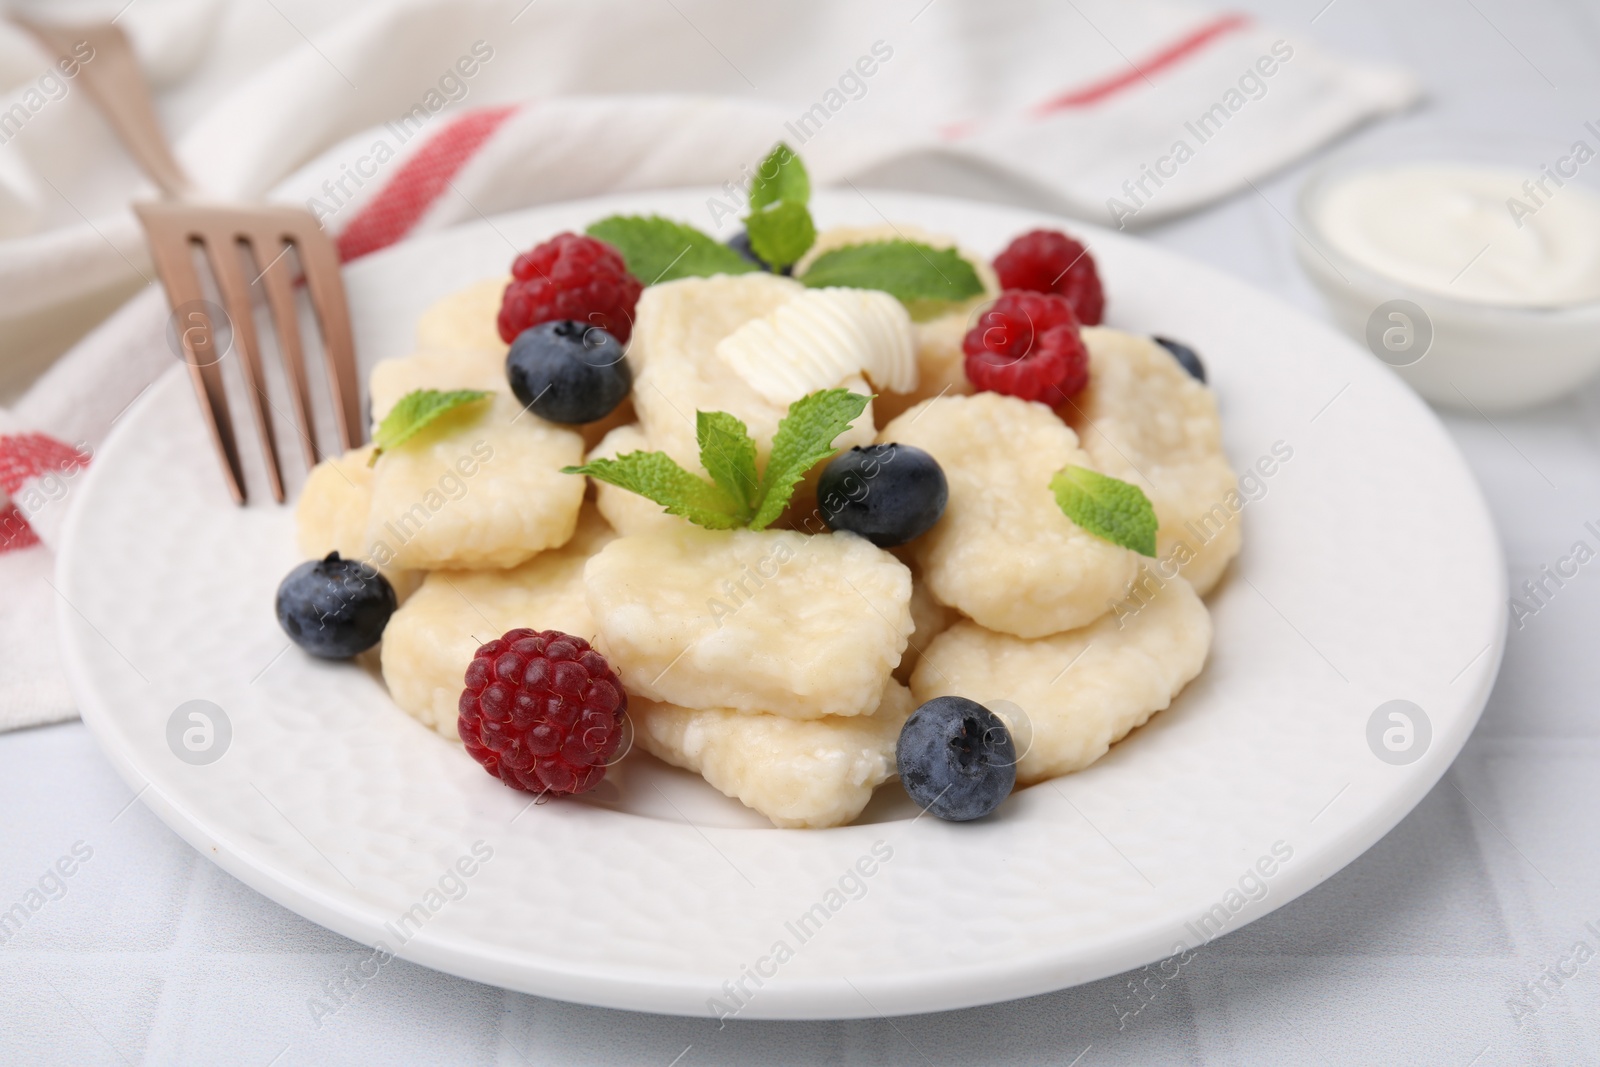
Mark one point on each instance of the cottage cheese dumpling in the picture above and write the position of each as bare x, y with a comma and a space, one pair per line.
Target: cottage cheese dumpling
677, 370
1004, 554
445, 371
465, 320
941, 364
1082, 691
1144, 420
629, 513
479, 487
458, 347
690, 315
798, 773
331, 514
431, 639
776, 621
929, 619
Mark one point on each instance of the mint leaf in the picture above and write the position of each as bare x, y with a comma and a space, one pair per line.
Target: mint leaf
804, 439
781, 178
734, 497
729, 456
907, 270
414, 411
659, 250
657, 476
781, 234
1112, 510
779, 225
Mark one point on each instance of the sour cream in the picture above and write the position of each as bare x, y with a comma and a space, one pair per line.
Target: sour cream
1471, 233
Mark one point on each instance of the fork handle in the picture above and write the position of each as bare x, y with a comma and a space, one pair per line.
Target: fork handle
113, 79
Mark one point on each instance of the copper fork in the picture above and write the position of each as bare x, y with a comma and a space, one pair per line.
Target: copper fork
265, 233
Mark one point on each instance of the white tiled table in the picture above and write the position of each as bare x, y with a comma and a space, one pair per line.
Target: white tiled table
1409, 955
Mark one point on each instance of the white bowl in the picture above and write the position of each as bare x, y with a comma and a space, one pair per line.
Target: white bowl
1456, 353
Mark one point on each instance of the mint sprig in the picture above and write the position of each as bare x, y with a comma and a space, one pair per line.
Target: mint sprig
729, 455
781, 234
660, 250
804, 439
781, 231
781, 178
779, 224
735, 497
416, 410
1111, 509
907, 270
657, 476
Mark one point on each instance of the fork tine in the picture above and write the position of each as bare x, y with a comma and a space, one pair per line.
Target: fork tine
268, 233
222, 252
321, 265
169, 248
286, 324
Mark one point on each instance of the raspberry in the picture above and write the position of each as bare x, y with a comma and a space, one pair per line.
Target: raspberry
542, 711
1027, 345
570, 277
1046, 261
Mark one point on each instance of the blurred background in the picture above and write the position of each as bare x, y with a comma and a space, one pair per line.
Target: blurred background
1048, 104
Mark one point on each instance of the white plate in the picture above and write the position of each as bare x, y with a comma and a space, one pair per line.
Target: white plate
1370, 573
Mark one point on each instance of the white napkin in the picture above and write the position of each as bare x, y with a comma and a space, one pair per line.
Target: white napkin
394, 119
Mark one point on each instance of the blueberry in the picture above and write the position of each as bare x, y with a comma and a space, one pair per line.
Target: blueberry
1186, 356
956, 758
335, 607
740, 243
568, 372
888, 494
